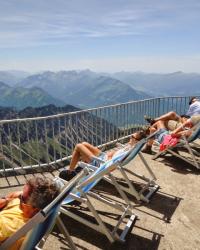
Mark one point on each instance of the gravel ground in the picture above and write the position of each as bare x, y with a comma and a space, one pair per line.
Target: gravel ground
170, 221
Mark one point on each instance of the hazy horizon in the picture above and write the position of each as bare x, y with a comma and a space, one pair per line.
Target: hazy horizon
94, 71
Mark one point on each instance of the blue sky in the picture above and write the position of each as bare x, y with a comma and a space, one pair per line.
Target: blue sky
102, 35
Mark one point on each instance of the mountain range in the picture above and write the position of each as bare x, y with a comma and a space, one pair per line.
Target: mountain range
49, 139
12, 77
19, 97
172, 84
11, 113
86, 89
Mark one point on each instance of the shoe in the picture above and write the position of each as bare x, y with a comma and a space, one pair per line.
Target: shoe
149, 119
147, 149
67, 175
78, 169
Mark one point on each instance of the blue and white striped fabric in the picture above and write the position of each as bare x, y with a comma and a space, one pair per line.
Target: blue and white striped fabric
118, 158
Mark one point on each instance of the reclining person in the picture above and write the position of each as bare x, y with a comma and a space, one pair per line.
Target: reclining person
173, 120
18, 207
163, 131
192, 122
86, 152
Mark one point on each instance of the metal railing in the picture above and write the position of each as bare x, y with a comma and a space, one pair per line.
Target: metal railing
42, 142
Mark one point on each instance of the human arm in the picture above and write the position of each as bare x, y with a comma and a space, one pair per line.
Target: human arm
190, 110
186, 124
4, 200
15, 194
133, 139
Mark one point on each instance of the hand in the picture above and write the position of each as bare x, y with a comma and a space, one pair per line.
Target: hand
173, 135
13, 195
3, 202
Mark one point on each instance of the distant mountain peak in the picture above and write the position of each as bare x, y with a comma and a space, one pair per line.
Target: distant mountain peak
83, 88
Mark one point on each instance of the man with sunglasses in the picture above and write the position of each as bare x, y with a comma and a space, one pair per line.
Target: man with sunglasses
18, 207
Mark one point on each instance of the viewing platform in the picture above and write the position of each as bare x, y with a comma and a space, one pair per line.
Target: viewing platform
42, 146
170, 221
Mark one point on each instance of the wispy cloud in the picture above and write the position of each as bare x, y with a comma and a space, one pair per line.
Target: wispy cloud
104, 35
32, 23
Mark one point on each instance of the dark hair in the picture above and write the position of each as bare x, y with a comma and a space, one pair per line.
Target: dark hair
143, 133
42, 191
191, 99
185, 116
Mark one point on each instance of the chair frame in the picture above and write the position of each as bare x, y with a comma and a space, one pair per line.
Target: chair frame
184, 143
85, 197
149, 188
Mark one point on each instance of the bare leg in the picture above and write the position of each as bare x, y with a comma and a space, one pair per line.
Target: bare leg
168, 116
84, 151
93, 149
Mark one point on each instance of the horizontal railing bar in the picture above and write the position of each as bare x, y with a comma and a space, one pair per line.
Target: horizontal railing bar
85, 110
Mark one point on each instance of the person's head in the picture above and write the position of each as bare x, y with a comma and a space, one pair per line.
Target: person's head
137, 136
184, 118
192, 100
38, 193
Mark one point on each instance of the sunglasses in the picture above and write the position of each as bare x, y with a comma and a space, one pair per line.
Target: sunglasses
24, 206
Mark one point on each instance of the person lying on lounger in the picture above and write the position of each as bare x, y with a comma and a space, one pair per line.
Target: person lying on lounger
18, 207
173, 120
86, 152
160, 126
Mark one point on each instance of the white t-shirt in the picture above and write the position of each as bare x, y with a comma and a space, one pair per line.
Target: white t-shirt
194, 109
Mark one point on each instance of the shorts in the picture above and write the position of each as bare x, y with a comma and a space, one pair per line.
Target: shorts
101, 156
160, 134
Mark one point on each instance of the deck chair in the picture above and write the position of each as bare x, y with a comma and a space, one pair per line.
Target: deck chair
149, 186
83, 194
185, 143
37, 229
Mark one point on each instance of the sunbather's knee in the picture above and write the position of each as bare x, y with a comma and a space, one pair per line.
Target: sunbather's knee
173, 115
85, 143
78, 147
